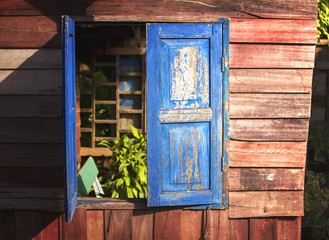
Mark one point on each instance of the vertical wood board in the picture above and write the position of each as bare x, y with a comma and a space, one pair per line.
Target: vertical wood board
95, 224
142, 224
77, 228
118, 224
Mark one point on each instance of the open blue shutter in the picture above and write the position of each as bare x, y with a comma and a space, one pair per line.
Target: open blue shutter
184, 114
69, 115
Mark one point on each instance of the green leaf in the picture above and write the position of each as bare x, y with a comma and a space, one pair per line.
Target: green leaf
135, 132
130, 193
127, 181
122, 166
135, 192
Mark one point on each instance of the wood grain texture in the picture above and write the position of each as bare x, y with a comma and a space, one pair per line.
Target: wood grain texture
263, 229
77, 229
29, 82
239, 229
252, 179
30, 59
28, 225
164, 227
142, 10
30, 106
32, 204
31, 155
271, 56
142, 224
265, 204
31, 130
7, 224
267, 154
258, 105
270, 80
95, 224
196, 219
50, 226
118, 224
273, 31
288, 228
269, 129
32, 177
223, 225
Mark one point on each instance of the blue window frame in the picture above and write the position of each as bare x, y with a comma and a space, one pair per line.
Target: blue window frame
187, 121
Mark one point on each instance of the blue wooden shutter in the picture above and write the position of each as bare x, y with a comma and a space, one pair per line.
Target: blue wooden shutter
184, 114
69, 115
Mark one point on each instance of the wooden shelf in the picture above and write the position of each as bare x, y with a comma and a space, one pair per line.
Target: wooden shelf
104, 64
128, 130
105, 121
105, 102
104, 138
131, 111
86, 130
86, 110
131, 74
96, 152
130, 92
106, 84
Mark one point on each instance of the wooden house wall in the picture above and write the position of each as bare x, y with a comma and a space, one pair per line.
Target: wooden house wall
271, 60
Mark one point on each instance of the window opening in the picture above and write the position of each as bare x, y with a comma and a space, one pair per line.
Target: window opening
110, 85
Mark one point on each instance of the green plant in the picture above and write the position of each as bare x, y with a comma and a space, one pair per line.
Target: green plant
316, 200
323, 19
126, 176
318, 140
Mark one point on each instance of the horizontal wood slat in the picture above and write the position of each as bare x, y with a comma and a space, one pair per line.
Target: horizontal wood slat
32, 177
273, 31
269, 129
265, 204
31, 155
256, 105
252, 179
43, 82
24, 193
30, 58
270, 80
30, 106
271, 56
144, 10
29, 39
267, 154
31, 130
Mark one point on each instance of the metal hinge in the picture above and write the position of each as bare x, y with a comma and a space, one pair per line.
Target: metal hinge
223, 64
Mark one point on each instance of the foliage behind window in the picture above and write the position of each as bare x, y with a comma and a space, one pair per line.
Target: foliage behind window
323, 19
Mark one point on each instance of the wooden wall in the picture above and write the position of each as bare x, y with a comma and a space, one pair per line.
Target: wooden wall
271, 60
145, 225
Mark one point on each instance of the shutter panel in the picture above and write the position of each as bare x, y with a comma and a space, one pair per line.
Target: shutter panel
69, 115
184, 114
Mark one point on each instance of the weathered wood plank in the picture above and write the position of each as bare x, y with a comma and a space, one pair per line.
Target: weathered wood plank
31, 155
42, 193
32, 177
29, 32
77, 229
31, 130
265, 204
7, 224
239, 229
95, 224
42, 82
192, 224
263, 228
142, 225
29, 39
28, 225
273, 31
223, 231
111, 203
167, 224
32, 204
288, 228
271, 56
30, 106
30, 59
269, 129
50, 226
258, 105
252, 179
267, 154
118, 224
270, 80
143, 10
